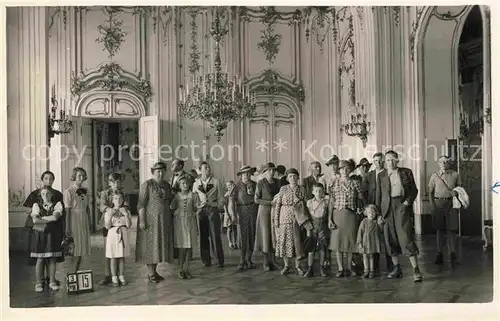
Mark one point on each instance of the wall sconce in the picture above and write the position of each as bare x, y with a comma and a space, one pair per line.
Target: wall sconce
61, 125
357, 125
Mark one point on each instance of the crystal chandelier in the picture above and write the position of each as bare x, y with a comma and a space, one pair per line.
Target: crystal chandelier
61, 125
357, 124
217, 97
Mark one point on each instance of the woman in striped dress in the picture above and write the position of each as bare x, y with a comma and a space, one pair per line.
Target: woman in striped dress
246, 209
78, 216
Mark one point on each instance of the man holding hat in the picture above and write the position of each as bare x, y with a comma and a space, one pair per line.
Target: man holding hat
445, 217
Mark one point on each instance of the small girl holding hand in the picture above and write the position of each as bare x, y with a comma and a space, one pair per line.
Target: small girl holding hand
370, 240
230, 222
117, 220
186, 229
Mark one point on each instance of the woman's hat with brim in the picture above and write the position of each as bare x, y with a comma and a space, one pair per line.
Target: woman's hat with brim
292, 171
333, 160
246, 169
267, 166
364, 162
159, 165
344, 163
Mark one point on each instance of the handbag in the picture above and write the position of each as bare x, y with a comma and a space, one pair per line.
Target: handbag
68, 246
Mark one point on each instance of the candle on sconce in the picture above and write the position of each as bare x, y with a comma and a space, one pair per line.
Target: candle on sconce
53, 91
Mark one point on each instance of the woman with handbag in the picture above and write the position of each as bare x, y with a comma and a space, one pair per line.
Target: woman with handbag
78, 216
290, 215
46, 237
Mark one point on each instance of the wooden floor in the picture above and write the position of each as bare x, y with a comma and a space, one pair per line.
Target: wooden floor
472, 281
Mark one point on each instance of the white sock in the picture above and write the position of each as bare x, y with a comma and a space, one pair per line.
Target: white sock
122, 278
114, 279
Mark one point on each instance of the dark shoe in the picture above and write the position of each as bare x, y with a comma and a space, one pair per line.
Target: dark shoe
285, 270
220, 265
207, 264
153, 279
322, 271
159, 277
366, 275
122, 282
188, 274
182, 275
417, 276
251, 265
371, 275
395, 273
439, 259
309, 273
453, 260
348, 273
299, 270
106, 280
47, 282
340, 274
241, 267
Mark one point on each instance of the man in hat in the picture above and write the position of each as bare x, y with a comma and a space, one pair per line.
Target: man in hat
309, 181
177, 173
369, 190
397, 194
445, 217
211, 195
363, 167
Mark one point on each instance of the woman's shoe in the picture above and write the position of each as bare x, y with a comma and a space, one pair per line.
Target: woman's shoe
348, 273
371, 275
267, 268
309, 273
299, 270
182, 275
153, 279
187, 274
242, 267
39, 288
366, 274
53, 286
250, 265
122, 280
285, 270
340, 274
322, 271
159, 277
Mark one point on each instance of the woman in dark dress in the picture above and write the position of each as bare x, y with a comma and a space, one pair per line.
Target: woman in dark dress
155, 234
46, 238
243, 195
47, 179
266, 189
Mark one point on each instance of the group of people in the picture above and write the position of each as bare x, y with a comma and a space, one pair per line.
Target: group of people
368, 213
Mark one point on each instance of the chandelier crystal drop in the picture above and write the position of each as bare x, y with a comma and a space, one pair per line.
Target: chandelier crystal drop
217, 97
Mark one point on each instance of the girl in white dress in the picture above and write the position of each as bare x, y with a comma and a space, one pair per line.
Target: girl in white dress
186, 230
117, 220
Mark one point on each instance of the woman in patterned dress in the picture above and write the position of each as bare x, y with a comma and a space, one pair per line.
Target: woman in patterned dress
155, 235
243, 195
289, 218
78, 216
344, 210
266, 189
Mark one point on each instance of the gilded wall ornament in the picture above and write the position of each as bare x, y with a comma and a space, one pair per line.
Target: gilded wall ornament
110, 77
270, 41
271, 82
111, 34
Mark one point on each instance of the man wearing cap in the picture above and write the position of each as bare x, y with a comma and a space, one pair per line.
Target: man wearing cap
178, 172
397, 194
211, 195
445, 217
369, 190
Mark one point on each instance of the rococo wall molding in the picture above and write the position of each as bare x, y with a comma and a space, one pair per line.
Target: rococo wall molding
272, 82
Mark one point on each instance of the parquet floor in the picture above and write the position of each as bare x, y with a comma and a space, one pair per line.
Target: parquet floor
471, 282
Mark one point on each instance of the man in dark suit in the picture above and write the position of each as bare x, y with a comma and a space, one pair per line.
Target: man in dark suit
280, 170
309, 181
397, 194
369, 192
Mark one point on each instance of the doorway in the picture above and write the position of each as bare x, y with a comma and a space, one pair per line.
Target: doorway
471, 84
114, 151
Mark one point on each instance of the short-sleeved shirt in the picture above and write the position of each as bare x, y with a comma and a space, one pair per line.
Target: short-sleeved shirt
451, 178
